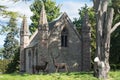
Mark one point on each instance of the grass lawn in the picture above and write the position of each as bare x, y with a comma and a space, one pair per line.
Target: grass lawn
58, 76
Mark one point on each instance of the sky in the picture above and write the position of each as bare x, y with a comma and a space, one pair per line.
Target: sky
69, 6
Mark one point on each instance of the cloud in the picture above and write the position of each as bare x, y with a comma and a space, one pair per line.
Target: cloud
21, 7
71, 8
6, 2
2, 38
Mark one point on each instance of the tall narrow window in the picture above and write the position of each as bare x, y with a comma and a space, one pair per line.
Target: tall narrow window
29, 55
36, 56
64, 38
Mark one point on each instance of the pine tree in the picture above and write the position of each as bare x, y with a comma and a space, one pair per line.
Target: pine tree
11, 43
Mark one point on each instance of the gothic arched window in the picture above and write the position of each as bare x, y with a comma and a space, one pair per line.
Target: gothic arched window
64, 38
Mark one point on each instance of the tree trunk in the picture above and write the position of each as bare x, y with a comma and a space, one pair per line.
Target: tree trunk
103, 27
104, 18
101, 9
106, 41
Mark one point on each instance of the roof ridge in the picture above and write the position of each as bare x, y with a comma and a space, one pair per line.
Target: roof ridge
34, 34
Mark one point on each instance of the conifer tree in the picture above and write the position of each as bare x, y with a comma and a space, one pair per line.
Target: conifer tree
11, 43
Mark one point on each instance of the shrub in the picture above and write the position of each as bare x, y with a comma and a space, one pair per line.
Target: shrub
3, 65
113, 67
118, 66
13, 66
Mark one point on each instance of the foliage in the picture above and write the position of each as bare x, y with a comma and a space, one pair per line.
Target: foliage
78, 23
11, 42
116, 5
13, 66
115, 67
3, 65
115, 37
52, 12
12, 14
6, 14
2, 8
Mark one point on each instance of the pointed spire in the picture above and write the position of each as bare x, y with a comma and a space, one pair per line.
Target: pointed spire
86, 17
86, 23
24, 27
43, 17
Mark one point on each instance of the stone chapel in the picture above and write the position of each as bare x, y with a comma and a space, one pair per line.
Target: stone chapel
58, 40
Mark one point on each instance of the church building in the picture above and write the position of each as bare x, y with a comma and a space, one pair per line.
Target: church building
55, 42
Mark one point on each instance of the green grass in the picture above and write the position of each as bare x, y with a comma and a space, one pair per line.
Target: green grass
114, 75
58, 76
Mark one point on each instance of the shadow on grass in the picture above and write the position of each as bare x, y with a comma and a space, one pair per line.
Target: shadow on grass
77, 73
60, 73
25, 74
19, 74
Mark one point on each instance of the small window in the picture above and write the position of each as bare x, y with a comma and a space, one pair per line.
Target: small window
64, 38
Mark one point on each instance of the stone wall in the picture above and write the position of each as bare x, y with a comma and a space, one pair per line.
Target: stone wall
70, 54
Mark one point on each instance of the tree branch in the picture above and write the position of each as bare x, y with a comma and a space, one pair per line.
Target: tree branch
118, 11
115, 27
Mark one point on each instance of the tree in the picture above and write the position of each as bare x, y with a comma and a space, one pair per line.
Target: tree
7, 14
13, 66
11, 43
2, 9
52, 12
79, 22
115, 37
1, 53
116, 5
104, 18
